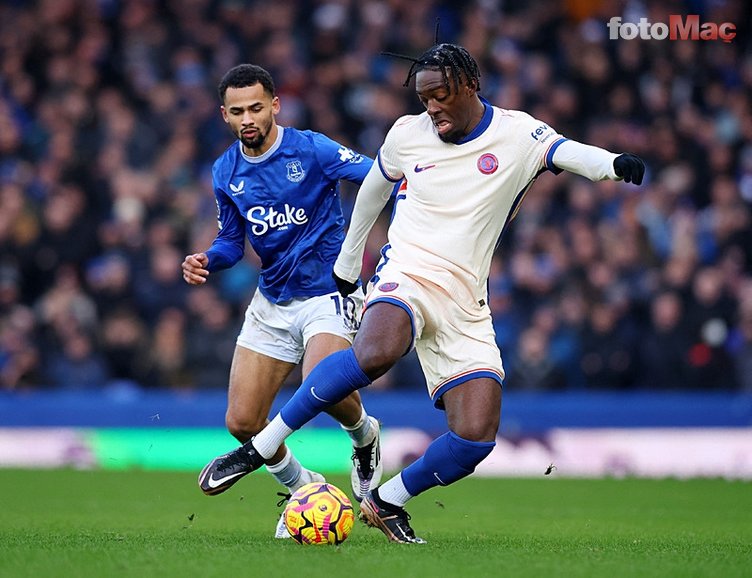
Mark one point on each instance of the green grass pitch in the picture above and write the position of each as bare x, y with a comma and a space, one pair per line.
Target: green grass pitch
63, 523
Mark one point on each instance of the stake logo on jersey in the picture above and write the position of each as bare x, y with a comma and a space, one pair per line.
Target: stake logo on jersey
286, 203
265, 219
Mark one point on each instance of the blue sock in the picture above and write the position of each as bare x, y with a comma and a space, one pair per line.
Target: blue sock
449, 458
332, 380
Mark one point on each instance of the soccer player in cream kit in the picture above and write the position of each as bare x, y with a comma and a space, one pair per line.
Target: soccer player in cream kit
278, 187
467, 166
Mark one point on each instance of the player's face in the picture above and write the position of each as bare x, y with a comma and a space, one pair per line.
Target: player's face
454, 114
250, 113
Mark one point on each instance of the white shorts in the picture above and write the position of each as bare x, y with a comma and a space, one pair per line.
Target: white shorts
282, 330
453, 345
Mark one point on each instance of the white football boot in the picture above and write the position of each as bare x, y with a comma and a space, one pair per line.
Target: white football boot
367, 467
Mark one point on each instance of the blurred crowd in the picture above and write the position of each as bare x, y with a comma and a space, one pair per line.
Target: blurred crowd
109, 125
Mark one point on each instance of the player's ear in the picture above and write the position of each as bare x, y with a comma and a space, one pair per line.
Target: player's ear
224, 114
275, 105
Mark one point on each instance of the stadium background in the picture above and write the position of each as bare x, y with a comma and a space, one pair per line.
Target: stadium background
615, 307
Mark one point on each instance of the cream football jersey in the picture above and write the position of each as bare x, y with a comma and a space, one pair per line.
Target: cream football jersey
459, 197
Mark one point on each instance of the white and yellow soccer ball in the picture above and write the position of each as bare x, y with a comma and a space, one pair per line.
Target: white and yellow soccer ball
319, 514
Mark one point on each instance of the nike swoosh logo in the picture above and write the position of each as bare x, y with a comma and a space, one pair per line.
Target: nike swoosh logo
212, 483
419, 169
322, 400
436, 475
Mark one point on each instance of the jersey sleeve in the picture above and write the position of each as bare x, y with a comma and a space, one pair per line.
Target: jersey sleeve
540, 143
338, 161
591, 162
229, 245
372, 197
388, 157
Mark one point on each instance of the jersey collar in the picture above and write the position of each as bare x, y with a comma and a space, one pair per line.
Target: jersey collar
484, 123
267, 154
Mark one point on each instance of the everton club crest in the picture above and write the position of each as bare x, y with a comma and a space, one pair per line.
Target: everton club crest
295, 171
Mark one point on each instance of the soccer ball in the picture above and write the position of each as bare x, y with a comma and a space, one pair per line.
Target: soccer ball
319, 514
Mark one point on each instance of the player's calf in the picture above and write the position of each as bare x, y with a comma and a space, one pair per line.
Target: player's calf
448, 459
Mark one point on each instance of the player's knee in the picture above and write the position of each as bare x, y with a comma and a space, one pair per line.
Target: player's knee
244, 428
479, 429
376, 357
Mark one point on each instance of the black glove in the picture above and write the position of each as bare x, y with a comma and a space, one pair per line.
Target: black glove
629, 167
344, 287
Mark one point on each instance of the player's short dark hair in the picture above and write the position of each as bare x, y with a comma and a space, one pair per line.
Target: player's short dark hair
445, 56
244, 75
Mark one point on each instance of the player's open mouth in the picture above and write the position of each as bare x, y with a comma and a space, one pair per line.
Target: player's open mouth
442, 126
249, 133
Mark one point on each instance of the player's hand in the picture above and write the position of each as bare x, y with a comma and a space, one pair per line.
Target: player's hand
629, 167
344, 287
194, 268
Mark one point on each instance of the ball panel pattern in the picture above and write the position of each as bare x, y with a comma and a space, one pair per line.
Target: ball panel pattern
319, 514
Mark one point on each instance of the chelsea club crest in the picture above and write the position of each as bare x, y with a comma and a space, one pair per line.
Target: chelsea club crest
295, 172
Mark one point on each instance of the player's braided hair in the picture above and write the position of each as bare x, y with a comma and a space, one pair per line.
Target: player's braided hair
244, 75
442, 57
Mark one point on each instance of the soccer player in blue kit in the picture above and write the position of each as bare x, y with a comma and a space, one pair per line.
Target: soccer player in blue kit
278, 186
468, 165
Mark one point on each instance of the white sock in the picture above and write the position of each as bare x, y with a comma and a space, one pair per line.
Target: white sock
362, 433
288, 471
269, 439
306, 477
394, 492
291, 474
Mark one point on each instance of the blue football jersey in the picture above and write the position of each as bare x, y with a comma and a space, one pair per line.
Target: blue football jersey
287, 203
